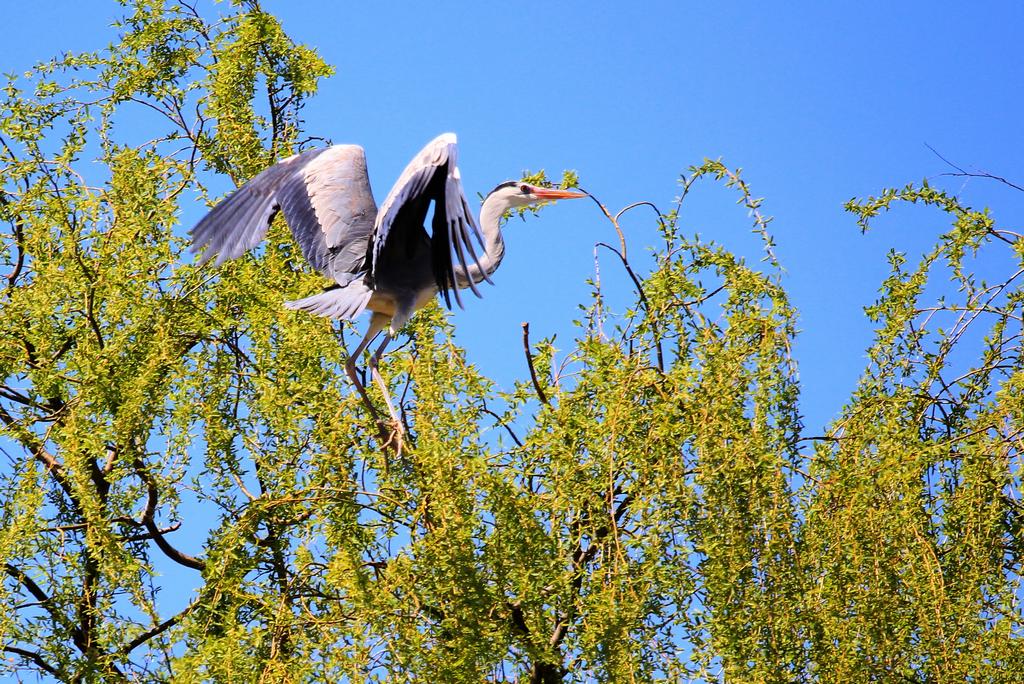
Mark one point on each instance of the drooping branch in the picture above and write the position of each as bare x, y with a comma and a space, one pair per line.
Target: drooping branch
643, 298
624, 259
149, 520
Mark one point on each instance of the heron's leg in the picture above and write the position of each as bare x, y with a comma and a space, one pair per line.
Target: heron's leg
375, 370
377, 323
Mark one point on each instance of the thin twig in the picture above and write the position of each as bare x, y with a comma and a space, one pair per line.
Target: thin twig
502, 423
962, 173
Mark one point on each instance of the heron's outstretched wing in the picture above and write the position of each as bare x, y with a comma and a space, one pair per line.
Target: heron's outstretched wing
326, 199
432, 176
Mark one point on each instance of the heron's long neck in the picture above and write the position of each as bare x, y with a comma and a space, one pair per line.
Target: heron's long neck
494, 246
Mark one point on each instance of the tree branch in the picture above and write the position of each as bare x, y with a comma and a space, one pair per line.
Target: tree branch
152, 499
27, 582
529, 360
972, 174
29, 441
157, 629
643, 298
502, 423
19, 237
37, 659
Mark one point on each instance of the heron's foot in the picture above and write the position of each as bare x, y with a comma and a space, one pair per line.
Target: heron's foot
392, 439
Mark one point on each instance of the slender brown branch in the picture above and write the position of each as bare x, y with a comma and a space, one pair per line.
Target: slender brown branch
87, 604
44, 599
502, 423
157, 629
643, 298
36, 448
634, 205
174, 554
612, 219
14, 395
962, 173
149, 535
90, 315
148, 515
35, 658
27, 582
19, 238
529, 361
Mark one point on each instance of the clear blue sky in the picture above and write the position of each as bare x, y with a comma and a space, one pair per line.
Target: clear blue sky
818, 102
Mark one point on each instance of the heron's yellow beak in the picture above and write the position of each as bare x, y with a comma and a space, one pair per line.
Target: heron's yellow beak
550, 194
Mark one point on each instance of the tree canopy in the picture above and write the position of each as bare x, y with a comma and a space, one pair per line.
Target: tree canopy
645, 503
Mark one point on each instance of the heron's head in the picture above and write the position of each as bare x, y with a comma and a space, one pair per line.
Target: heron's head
517, 194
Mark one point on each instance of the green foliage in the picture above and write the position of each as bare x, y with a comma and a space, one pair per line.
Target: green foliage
641, 506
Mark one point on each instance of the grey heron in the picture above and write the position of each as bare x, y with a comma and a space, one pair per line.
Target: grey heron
385, 260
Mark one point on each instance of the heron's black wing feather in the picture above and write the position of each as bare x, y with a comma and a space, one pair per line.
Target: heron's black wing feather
441, 246
432, 176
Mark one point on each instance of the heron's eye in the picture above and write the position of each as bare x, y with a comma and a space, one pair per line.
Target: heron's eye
525, 189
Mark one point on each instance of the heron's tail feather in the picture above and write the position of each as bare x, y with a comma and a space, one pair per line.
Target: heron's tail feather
339, 302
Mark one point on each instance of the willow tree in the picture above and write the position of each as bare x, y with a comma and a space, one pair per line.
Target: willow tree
191, 490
